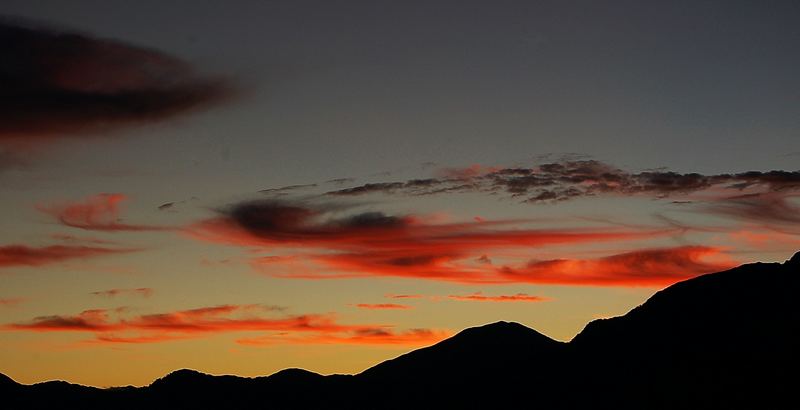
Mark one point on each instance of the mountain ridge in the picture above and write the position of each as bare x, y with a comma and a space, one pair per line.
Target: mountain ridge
720, 340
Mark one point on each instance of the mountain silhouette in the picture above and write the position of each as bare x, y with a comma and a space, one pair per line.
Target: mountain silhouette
718, 341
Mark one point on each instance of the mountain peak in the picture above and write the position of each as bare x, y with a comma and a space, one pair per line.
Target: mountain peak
179, 377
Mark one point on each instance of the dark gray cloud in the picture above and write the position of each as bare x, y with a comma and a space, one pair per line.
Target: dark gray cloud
559, 181
56, 83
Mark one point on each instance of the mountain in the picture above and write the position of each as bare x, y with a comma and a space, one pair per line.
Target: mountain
719, 341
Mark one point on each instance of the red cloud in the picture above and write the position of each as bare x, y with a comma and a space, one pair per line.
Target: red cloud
375, 244
21, 255
380, 306
96, 213
312, 328
649, 267
479, 297
143, 292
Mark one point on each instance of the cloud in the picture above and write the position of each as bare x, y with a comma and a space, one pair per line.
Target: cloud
81, 239
22, 255
393, 296
96, 213
285, 189
58, 84
773, 210
648, 267
110, 293
341, 243
381, 306
112, 326
365, 336
565, 180
11, 302
479, 297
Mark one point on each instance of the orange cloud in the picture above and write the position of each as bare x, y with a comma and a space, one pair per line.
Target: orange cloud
113, 326
376, 244
365, 336
96, 213
380, 306
479, 297
767, 239
22, 255
649, 267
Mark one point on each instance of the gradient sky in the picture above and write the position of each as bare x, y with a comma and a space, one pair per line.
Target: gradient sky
244, 187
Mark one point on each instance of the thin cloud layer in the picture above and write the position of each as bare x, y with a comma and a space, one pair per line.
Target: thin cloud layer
99, 212
480, 297
381, 306
57, 84
773, 210
22, 255
111, 326
368, 244
11, 302
367, 336
110, 293
560, 181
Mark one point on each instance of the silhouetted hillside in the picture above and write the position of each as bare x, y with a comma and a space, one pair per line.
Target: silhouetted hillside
719, 341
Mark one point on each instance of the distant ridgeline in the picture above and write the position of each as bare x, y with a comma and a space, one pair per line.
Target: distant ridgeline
719, 341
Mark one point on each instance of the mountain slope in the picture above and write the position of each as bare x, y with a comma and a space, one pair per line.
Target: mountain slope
499, 357
722, 340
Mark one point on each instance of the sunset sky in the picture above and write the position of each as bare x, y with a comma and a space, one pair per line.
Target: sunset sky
242, 187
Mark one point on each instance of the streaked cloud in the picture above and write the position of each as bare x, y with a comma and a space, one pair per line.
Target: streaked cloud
99, 212
560, 181
381, 306
110, 293
480, 297
23, 255
11, 302
112, 326
648, 267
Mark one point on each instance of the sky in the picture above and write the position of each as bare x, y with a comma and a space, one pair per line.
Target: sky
244, 187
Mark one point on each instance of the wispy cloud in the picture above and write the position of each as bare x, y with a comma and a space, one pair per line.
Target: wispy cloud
366, 336
648, 267
773, 210
381, 306
406, 296
560, 181
11, 302
110, 293
480, 297
111, 326
22, 255
99, 212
